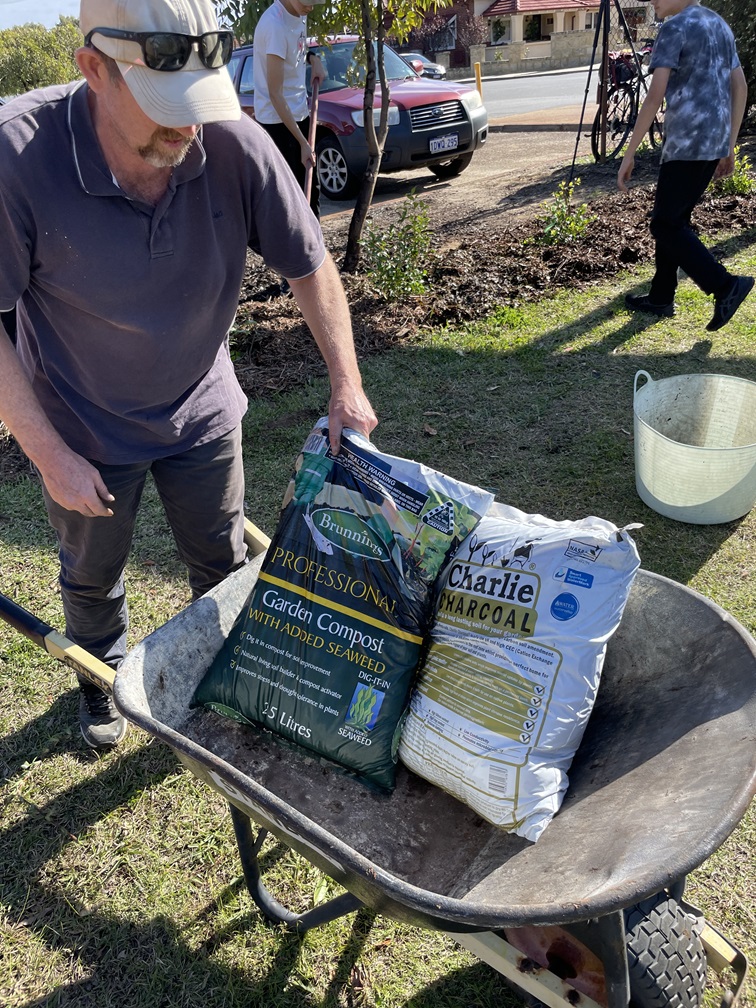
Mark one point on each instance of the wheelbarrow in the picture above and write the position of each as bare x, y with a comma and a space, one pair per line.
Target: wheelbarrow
593, 914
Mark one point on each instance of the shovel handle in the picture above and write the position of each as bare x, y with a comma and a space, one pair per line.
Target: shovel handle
311, 136
56, 645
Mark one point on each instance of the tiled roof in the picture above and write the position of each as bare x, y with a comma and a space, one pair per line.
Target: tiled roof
499, 7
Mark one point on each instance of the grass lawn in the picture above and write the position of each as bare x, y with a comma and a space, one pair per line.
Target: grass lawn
119, 876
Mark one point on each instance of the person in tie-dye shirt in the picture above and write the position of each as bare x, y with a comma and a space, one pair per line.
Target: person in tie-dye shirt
696, 68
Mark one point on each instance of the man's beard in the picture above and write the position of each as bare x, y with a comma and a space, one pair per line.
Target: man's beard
157, 156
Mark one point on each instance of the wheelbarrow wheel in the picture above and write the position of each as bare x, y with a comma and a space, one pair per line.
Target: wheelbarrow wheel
665, 955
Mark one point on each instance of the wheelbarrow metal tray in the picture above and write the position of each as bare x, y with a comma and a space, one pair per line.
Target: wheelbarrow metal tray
665, 772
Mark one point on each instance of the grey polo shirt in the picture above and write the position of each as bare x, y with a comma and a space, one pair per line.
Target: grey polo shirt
125, 308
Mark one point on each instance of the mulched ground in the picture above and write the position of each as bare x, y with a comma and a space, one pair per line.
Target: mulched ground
474, 269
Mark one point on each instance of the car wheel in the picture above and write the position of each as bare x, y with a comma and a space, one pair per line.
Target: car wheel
449, 169
337, 182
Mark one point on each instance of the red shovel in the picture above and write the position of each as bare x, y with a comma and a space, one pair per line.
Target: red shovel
311, 136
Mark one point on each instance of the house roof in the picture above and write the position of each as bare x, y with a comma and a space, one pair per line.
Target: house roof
499, 7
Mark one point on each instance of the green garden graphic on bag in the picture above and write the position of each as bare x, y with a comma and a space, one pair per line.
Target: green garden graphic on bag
325, 651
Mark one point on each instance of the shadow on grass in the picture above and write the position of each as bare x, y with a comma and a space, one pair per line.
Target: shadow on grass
116, 961
152, 966
468, 987
113, 960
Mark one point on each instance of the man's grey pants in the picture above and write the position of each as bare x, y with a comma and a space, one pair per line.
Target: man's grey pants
202, 492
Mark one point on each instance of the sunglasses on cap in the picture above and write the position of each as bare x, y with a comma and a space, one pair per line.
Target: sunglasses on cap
170, 50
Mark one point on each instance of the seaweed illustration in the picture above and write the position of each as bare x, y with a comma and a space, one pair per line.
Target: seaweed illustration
361, 710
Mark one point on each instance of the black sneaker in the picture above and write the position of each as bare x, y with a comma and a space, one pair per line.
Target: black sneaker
640, 302
726, 306
101, 724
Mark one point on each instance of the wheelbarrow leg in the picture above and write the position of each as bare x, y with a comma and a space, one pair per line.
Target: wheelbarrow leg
249, 847
606, 936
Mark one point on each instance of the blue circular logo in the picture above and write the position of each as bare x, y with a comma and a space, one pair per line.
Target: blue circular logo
565, 607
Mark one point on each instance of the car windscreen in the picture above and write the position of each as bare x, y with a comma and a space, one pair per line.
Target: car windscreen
345, 65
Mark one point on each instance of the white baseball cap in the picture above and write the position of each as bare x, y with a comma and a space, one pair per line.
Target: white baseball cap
190, 96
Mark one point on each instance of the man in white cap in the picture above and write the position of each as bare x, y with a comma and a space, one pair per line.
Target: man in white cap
128, 201
281, 56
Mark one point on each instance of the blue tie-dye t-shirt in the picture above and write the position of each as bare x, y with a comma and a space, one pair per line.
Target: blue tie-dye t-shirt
699, 48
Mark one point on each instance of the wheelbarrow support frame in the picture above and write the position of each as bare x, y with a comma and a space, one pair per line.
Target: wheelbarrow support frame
605, 936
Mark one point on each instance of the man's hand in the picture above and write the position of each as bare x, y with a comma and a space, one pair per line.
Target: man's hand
308, 154
70, 480
350, 408
646, 115
725, 167
626, 170
76, 485
317, 70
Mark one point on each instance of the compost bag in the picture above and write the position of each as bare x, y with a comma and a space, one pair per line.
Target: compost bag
325, 650
523, 616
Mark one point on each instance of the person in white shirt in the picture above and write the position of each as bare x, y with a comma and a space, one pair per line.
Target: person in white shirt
281, 58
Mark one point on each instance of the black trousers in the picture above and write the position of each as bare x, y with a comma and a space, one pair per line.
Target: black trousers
292, 153
202, 492
680, 186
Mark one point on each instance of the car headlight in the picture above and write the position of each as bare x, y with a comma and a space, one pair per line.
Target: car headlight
472, 100
358, 118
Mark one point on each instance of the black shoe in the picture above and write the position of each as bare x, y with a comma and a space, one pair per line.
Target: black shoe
101, 724
726, 306
640, 302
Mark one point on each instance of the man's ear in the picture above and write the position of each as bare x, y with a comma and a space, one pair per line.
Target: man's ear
92, 67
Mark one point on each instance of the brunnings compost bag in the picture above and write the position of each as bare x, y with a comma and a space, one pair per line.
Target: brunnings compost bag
325, 651
524, 612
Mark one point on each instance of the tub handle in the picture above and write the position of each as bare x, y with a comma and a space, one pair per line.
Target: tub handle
640, 374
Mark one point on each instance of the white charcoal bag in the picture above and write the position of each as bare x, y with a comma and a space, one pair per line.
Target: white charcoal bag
523, 615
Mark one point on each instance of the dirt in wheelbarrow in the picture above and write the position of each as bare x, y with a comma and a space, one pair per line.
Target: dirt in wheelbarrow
485, 253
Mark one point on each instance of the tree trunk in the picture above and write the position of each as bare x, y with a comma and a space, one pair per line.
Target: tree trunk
375, 139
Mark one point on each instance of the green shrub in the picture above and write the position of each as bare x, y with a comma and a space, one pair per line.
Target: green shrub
396, 257
564, 222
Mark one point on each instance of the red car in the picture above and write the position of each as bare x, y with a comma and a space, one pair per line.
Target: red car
432, 124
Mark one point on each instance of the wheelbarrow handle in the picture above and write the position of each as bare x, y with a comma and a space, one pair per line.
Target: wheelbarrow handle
311, 136
56, 645
255, 538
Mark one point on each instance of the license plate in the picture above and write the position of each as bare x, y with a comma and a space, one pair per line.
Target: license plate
444, 143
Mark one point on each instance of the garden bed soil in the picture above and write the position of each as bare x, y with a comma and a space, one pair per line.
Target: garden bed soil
480, 260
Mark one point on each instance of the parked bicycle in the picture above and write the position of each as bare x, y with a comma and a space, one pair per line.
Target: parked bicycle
627, 89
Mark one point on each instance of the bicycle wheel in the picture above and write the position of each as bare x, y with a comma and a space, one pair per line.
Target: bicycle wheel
620, 117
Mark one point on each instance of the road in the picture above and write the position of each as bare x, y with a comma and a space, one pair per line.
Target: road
504, 96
